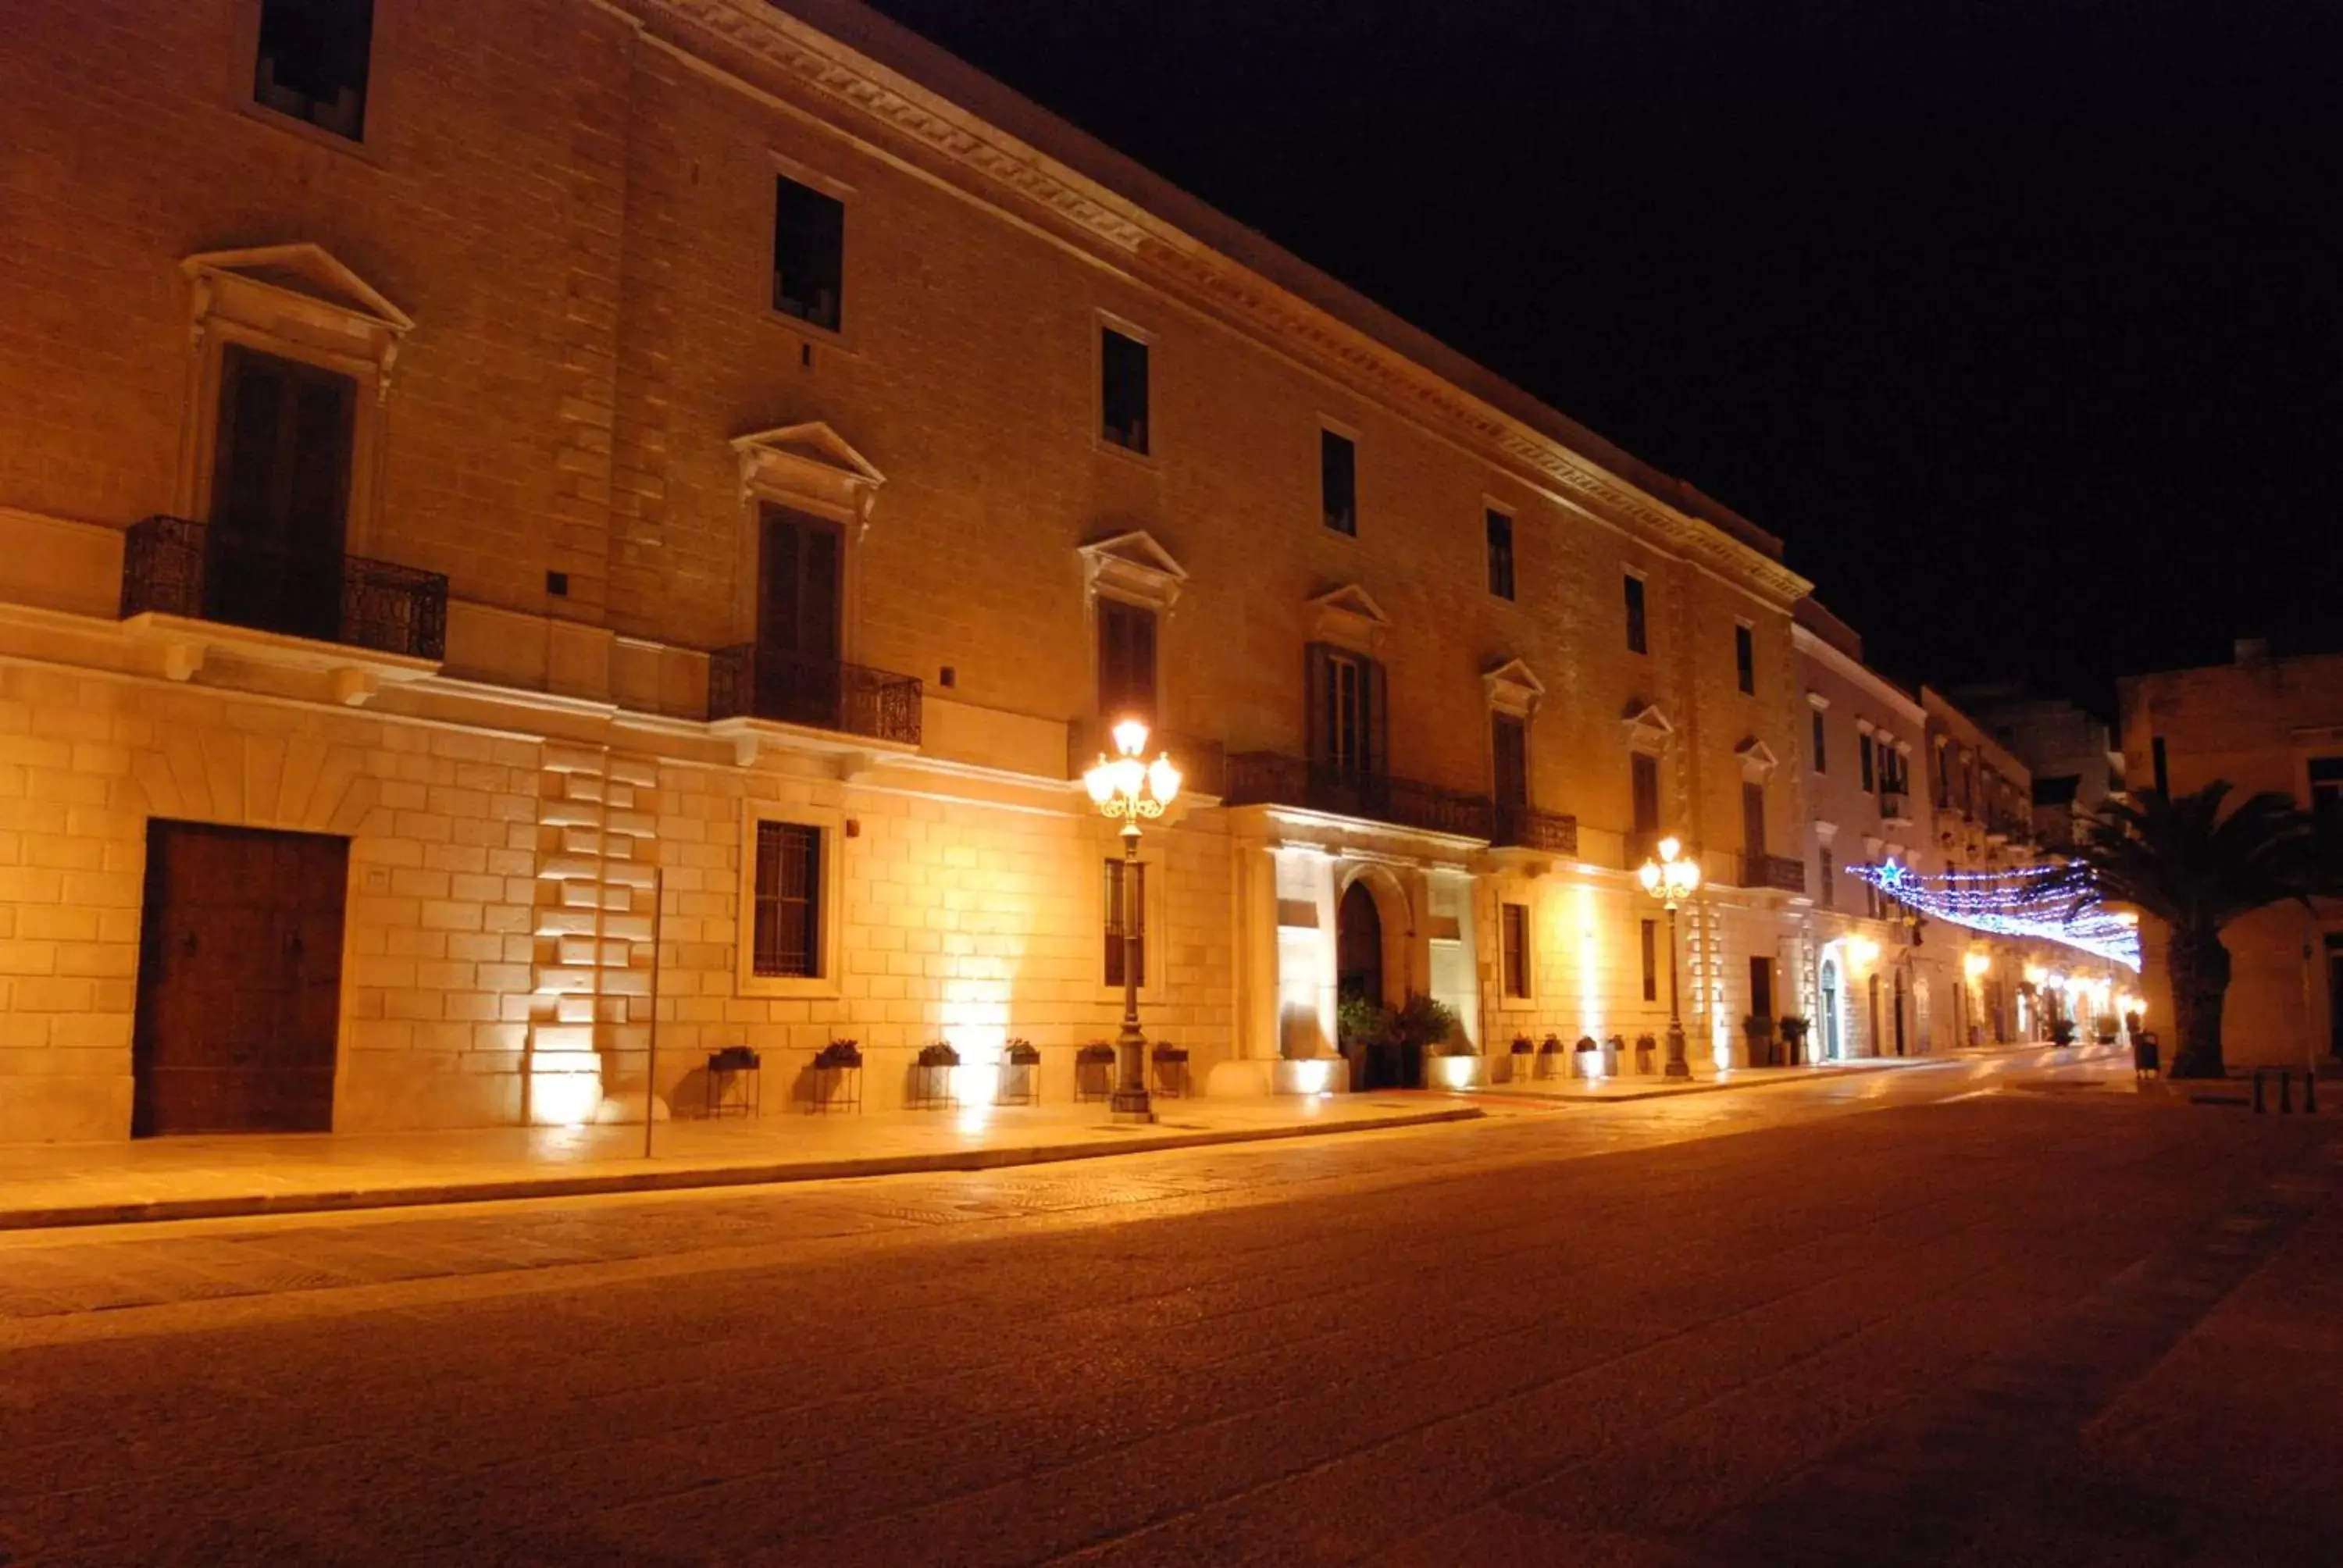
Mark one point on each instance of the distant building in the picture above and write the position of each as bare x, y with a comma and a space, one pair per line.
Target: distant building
2070, 751
2262, 723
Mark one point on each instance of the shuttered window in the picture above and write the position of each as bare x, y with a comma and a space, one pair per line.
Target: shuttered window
1126, 661
788, 929
1348, 719
1517, 949
1117, 946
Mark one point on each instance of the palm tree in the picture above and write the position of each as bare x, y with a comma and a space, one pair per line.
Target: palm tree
2181, 861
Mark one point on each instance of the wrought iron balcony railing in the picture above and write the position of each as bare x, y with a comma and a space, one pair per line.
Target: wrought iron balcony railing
1894, 806
1272, 778
1781, 872
753, 682
171, 565
1527, 828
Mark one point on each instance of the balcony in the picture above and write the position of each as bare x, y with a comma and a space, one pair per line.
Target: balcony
1271, 778
172, 566
786, 687
1895, 808
1527, 828
1781, 873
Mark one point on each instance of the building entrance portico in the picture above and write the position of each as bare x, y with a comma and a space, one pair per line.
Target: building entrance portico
1358, 977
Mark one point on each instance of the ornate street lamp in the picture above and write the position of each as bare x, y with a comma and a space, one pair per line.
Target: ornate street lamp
1671, 878
1128, 789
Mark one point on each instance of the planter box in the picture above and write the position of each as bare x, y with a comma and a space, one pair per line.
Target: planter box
1310, 1075
1452, 1072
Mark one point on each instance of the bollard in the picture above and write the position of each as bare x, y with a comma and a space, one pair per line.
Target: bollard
2285, 1092
2258, 1092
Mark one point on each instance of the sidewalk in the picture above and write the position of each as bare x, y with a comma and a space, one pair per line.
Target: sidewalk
61, 1184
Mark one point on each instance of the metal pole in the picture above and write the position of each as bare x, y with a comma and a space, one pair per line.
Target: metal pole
650, 1061
1131, 1102
1677, 1066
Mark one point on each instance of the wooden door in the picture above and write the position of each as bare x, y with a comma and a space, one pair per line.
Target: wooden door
280, 495
799, 620
239, 980
1510, 745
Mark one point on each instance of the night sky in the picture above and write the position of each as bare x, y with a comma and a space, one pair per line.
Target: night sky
2021, 323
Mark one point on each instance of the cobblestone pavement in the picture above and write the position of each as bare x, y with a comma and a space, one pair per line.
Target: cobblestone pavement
1944, 1315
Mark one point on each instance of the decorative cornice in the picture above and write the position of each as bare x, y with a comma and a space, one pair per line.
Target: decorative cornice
856, 84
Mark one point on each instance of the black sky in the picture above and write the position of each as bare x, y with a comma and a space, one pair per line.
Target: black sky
2021, 322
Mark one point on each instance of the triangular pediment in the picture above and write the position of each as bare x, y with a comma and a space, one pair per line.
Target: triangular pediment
813, 443
1134, 566
1140, 550
1646, 716
309, 271
1756, 753
1516, 673
1353, 600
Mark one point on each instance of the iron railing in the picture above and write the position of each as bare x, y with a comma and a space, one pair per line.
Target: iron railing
1783, 873
1527, 828
1894, 806
171, 565
1272, 778
752, 682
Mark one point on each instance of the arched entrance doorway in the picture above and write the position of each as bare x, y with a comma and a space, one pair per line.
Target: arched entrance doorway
1832, 1048
1359, 977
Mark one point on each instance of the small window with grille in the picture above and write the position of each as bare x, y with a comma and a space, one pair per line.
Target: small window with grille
786, 932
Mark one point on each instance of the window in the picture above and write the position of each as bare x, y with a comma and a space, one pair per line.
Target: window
1822, 752
1517, 949
1501, 554
1871, 900
1338, 481
1744, 657
1753, 821
1636, 638
1123, 390
1117, 946
809, 254
312, 62
1651, 961
1509, 747
280, 495
1126, 661
1862, 751
1643, 788
2327, 792
1346, 712
2163, 775
1829, 878
787, 927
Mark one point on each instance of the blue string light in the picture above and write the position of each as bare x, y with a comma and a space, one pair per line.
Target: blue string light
2056, 903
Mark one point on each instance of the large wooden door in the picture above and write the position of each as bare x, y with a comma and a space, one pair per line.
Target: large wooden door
1359, 973
239, 980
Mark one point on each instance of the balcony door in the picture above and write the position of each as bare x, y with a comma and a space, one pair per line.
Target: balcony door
1348, 741
280, 495
1510, 747
1644, 794
799, 621
1753, 827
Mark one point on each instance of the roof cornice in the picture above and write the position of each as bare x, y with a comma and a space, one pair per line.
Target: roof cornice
1022, 175
1834, 658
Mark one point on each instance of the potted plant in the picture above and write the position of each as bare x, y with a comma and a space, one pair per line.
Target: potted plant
1759, 1031
932, 1077
1094, 1070
1417, 1027
1020, 1075
2061, 1030
1793, 1031
838, 1053
1585, 1062
1645, 1047
835, 1083
1613, 1046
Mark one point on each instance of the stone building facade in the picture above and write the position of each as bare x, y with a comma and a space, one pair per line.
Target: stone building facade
534, 518
2262, 723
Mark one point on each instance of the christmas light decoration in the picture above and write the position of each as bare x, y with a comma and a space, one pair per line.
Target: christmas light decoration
2056, 903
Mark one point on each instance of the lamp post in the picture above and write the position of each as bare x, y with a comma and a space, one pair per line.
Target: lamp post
1127, 790
1671, 878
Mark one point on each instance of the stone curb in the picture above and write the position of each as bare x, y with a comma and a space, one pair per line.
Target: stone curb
680, 1178
1852, 1069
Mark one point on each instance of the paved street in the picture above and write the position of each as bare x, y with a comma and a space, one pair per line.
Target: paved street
1971, 1313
